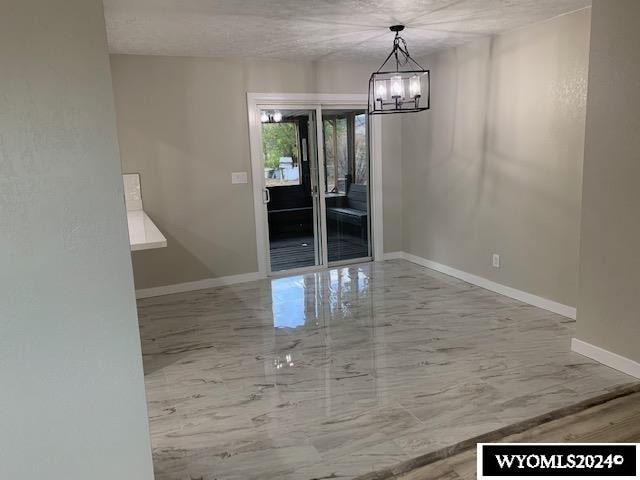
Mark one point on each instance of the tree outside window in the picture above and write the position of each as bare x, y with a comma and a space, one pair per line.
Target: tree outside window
281, 153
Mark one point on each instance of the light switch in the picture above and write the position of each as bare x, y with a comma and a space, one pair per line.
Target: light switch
238, 177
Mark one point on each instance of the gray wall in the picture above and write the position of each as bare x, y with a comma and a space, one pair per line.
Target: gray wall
182, 123
72, 404
392, 182
495, 166
610, 240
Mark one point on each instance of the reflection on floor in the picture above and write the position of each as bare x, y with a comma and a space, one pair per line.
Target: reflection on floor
338, 373
296, 252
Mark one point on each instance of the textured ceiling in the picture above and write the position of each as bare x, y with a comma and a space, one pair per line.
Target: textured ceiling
312, 29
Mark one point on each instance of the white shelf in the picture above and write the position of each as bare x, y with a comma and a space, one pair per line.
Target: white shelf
143, 233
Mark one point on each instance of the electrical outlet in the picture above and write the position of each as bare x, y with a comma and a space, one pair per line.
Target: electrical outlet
496, 260
239, 177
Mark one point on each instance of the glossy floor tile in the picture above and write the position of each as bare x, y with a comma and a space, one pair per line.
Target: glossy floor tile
339, 373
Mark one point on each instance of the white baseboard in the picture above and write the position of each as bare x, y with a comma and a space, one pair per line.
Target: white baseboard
198, 285
525, 297
610, 359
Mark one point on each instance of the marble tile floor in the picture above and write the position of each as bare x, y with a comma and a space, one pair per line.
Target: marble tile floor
347, 371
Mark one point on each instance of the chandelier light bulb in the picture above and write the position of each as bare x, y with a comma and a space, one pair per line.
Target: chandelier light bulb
397, 87
264, 117
277, 117
414, 87
381, 90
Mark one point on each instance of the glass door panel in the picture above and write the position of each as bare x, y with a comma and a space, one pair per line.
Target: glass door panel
346, 175
291, 186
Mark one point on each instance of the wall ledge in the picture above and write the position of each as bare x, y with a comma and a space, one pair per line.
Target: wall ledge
529, 298
198, 285
605, 357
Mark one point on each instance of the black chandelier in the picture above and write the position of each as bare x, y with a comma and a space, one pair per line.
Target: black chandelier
405, 89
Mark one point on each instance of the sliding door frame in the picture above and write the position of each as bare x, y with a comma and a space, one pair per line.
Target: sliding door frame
257, 101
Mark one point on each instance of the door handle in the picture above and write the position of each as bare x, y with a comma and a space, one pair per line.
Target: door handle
314, 191
267, 196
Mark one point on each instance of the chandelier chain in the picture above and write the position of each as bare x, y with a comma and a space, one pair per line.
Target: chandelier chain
404, 50
400, 52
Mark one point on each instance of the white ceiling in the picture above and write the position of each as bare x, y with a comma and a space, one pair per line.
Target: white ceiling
312, 29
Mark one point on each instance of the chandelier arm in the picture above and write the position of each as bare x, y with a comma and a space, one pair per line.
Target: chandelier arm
409, 57
386, 60
417, 64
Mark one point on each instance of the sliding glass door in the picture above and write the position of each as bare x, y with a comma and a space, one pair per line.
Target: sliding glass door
291, 188
316, 185
346, 173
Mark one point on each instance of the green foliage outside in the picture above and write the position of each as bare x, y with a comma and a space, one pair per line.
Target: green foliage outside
279, 140
335, 151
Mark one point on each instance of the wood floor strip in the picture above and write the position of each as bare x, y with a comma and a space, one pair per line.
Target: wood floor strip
463, 451
616, 421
